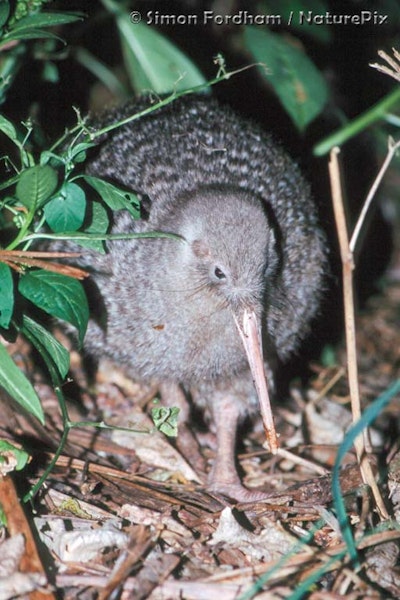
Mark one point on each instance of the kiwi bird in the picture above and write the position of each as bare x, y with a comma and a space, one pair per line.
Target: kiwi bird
242, 283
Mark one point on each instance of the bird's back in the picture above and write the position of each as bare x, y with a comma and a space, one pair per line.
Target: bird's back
195, 143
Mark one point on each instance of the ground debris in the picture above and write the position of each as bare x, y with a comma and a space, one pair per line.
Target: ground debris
382, 567
118, 520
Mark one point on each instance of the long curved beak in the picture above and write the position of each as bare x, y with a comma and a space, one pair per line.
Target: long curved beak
249, 331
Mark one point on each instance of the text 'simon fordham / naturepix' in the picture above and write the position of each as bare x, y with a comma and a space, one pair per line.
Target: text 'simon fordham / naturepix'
245, 17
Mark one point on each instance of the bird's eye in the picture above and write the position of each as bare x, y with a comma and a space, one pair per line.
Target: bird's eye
219, 274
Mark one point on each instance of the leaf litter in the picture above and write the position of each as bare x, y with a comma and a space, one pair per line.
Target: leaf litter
125, 513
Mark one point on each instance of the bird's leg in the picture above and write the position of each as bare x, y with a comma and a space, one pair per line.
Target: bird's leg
173, 395
224, 478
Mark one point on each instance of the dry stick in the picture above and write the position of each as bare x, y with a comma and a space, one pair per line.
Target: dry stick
392, 149
350, 330
298, 460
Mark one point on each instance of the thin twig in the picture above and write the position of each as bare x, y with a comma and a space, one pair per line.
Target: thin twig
298, 460
350, 330
393, 147
333, 380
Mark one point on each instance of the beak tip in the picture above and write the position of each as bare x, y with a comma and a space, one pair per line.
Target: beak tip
249, 331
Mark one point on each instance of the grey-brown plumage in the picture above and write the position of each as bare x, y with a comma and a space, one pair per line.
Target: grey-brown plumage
251, 240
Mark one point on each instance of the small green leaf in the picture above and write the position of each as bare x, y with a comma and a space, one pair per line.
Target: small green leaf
78, 153
30, 34
43, 340
99, 225
6, 295
36, 185
58, 295
17, 385
49, 158
166, 419
4, 12
50, 72
66, 211
8, 128
328, 356
21, 457
46, 19
152, 61
114, 197
296, 81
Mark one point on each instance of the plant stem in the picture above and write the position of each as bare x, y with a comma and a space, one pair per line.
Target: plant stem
165, 101
361, 219
357, 125
67, 425
23, 231
350, 328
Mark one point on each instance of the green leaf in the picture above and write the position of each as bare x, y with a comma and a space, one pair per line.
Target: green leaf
49, 158
20, 456
66, 211
46, 19
43, 340
294, 78
99, 225
295, 13
18, 387
30, 34
6, 295
102, 72
152, 61
36, 185
114, 197
50, 72
4, 12
8, 128
166, 419
78, 153
58, 295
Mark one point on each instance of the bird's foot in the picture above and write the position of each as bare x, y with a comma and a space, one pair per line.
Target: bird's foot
234, 490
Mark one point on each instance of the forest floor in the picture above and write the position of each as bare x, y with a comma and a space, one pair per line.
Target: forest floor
125, 515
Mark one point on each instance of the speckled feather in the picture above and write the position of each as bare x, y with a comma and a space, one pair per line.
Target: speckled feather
242, 206
194, 142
